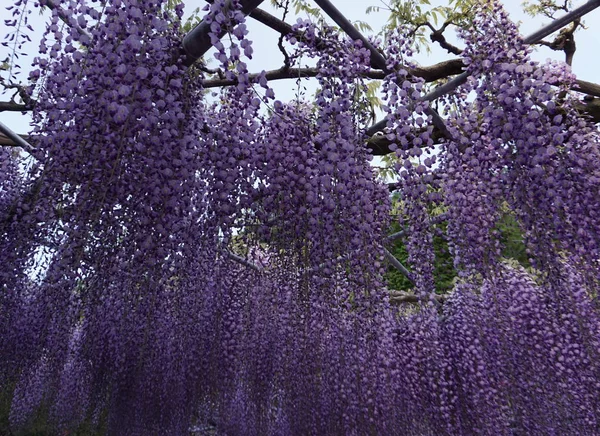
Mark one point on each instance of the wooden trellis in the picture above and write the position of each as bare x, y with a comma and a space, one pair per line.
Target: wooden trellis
197, 42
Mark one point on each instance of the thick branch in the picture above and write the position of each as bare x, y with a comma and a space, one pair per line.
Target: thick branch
431, 73
428, 73
22, 92
533, 38
197, 42
437, 35
565, 41
453, 67
434, 72
588, 88
11, 106
590, 107
281, 73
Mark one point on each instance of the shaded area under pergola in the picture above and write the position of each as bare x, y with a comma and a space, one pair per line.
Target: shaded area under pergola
198, 42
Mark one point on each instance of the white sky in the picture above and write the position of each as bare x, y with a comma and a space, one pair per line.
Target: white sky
267, 56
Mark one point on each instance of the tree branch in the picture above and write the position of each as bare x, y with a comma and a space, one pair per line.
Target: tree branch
565, 41
278, 25
22, 92
428, 73
286, 57
590, 107
437, 35
197, 41
281, 73
11, 106
588, 88
378, 144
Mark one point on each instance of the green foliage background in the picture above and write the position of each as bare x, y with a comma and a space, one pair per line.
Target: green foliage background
511, 240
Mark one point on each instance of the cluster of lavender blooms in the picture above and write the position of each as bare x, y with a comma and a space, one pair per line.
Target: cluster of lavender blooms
520, 145
410, 128
141, 324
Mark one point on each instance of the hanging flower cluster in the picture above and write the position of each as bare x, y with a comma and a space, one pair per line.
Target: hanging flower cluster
410, 128
114, 203
127, 308
318, 197
522, 145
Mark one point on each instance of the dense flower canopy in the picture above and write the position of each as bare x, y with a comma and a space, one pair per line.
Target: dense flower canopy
173, 260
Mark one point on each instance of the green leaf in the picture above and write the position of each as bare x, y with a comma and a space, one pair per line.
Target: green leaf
363, 26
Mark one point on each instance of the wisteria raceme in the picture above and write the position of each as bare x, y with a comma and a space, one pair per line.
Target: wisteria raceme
177, 262
316, 179
415, 157
522, 147
107, 206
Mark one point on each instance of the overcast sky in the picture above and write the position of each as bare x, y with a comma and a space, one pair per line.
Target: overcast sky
267, 56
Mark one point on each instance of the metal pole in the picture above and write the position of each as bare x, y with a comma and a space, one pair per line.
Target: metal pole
396, 264
377, 59
241, 260
197, 42
16, 138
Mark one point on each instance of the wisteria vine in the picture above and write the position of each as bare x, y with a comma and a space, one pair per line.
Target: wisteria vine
174, 262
